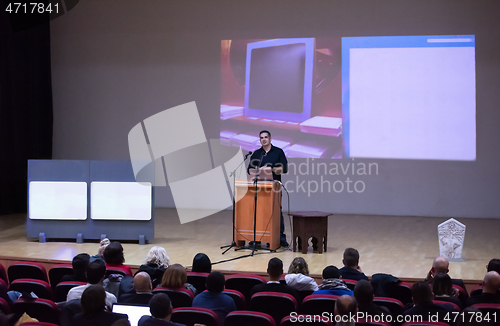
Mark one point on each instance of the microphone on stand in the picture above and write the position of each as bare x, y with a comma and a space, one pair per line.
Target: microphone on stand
248, 154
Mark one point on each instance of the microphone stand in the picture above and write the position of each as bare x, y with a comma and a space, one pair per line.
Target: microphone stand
233, 174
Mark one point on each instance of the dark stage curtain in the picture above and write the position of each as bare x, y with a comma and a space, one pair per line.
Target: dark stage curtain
25, 107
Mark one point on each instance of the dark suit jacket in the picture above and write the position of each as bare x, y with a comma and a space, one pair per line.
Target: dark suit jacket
429, 309
101, 319
150, 321
352, 274
276, 287
142, 299
483, 298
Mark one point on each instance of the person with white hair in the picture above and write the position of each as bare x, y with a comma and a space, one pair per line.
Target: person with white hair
100, 252
155, 264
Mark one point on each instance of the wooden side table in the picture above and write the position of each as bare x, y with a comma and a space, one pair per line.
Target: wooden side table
310, 224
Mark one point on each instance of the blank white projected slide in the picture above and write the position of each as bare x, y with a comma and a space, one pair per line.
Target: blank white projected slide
120, 201
413, 103
51, 200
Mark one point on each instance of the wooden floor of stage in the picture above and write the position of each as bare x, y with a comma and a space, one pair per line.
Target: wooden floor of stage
402, 246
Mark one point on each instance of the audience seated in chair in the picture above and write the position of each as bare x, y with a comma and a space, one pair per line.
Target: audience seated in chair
176, 277
113, 256
441, 265
442, 287
491, 283
80, 264
143, 290
351, 269
493, 265
100, 252
94, 312
95, 275
423, 306
157, 261
298, 276
201, 264
214, 299
346, 309
363, 292
161, 312
275, 270
332, 283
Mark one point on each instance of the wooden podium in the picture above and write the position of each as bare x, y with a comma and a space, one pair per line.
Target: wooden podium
268, 212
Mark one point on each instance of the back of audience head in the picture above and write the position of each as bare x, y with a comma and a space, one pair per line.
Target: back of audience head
346, 305
491, 282
330, 272
93, 300
102, 245
158, 255
493, 265
298, 266
363, 292
174, 277
421, 293
142, 282
96, 272
351, 257
440, 265
80, 264
201, 264
160, 306
113, 254
216, 282
442, 285
275, 268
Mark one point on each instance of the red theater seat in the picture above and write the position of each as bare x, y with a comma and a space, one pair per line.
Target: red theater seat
276, 304
27, 270
42, 309
40, 288
57, 272
180, 297
244, 283
189, 316
248, 318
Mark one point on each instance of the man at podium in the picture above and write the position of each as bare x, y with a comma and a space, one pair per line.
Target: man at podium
270, 159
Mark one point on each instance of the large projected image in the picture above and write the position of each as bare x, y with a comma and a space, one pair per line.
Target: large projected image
390, 97
291, 87
409, 97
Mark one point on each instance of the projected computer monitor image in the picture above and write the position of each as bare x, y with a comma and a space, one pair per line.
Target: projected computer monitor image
291, 87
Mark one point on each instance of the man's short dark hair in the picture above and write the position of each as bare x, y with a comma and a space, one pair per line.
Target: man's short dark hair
363, 292
93, 300
330, 272
96, 271
275, 267
421, 292
80, 263
265, 131
494, 265
215, 282
351, 257
160, 306
113, 254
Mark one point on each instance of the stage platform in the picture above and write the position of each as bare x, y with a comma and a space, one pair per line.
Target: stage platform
402, 246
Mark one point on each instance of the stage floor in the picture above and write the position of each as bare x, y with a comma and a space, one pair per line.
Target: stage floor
402, 246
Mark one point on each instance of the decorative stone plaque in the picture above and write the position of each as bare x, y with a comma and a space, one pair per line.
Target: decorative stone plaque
451, 234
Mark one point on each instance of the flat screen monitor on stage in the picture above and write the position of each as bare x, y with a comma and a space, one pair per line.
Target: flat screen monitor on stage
54, 200
120, 201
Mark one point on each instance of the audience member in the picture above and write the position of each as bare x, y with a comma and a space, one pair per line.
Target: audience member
275, 270
363, 292
100, 252
346, 310
351, 269
201, 264
95, 275
176, 277
493, 265
161, 312
491, 284
143, 290
441, 265
298, 276
157, 261
113, 256
94, 312
332, 283
214, 299
423, 306
443, 289
80, 264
